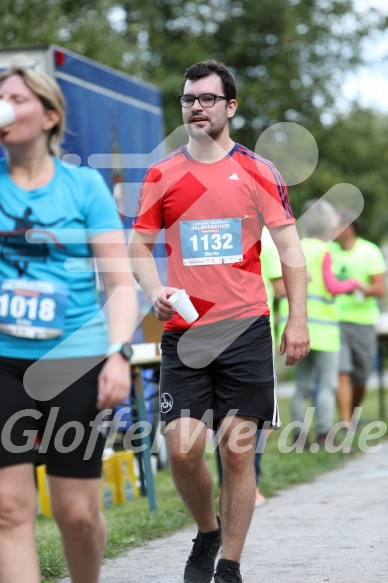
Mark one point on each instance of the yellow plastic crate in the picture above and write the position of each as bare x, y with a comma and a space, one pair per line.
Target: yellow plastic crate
124, 468
109, 489
43, 491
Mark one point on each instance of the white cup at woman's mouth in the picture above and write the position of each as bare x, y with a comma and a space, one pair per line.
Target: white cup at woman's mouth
7, 114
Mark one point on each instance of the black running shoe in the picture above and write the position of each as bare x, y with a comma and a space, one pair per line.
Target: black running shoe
227, 575
200, 564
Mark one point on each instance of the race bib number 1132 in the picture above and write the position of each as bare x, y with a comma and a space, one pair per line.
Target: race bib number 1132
211, 241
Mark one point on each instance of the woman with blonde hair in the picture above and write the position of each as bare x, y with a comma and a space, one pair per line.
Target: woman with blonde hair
62, 368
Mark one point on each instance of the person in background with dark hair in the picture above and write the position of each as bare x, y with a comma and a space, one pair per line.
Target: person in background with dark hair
61, 363
355, 257
213, 198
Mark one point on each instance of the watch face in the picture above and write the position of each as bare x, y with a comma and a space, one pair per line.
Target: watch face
127, 351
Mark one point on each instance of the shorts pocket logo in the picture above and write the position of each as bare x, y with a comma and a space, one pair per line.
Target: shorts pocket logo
166, 403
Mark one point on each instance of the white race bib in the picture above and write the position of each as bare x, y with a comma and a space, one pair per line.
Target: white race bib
32, 309
207, 242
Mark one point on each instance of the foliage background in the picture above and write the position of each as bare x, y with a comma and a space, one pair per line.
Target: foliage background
289, 56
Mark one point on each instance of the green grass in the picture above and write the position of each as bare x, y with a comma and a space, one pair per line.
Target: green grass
132, 524
280, 470
52, 561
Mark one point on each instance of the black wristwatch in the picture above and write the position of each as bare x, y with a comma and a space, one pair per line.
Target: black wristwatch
125, 349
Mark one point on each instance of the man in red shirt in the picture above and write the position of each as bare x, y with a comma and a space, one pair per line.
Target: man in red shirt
212, 197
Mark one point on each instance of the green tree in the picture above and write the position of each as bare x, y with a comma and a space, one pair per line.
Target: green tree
354, 150
83, 27
289, 55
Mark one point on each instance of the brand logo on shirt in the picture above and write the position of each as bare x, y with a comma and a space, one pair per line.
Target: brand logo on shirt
233, 177
166, 403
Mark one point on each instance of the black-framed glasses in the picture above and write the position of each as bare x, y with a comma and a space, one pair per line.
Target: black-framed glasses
206, 99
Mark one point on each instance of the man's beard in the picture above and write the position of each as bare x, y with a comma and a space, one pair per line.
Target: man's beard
211, 131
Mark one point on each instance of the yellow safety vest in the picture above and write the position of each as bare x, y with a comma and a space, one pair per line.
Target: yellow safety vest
322, 312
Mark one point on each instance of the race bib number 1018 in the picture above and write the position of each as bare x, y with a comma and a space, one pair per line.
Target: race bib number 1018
32, 309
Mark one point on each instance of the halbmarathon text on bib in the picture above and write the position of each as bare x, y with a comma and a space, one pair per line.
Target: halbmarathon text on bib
207, 242
32, 309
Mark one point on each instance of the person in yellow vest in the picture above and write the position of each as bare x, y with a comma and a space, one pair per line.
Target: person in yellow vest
321, 366
358, 313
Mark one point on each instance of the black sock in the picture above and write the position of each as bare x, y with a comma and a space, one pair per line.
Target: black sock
222, 563
213, 534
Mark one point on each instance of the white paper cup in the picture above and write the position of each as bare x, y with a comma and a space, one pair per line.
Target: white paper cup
184, 306
7, 113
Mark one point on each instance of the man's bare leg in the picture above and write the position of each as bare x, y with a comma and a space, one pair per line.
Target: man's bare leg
345, 397
359, 392
190, 473
186, 443
238, 491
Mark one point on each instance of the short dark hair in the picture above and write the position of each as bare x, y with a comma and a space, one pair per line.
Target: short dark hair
206, 68
349, 217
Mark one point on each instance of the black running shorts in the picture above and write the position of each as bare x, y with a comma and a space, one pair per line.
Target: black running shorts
210, 372
70, 446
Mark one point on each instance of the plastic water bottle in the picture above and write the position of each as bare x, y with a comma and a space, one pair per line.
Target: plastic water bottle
128, 490
359, 296
107, 497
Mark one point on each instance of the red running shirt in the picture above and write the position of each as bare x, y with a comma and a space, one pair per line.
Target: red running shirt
213, 216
